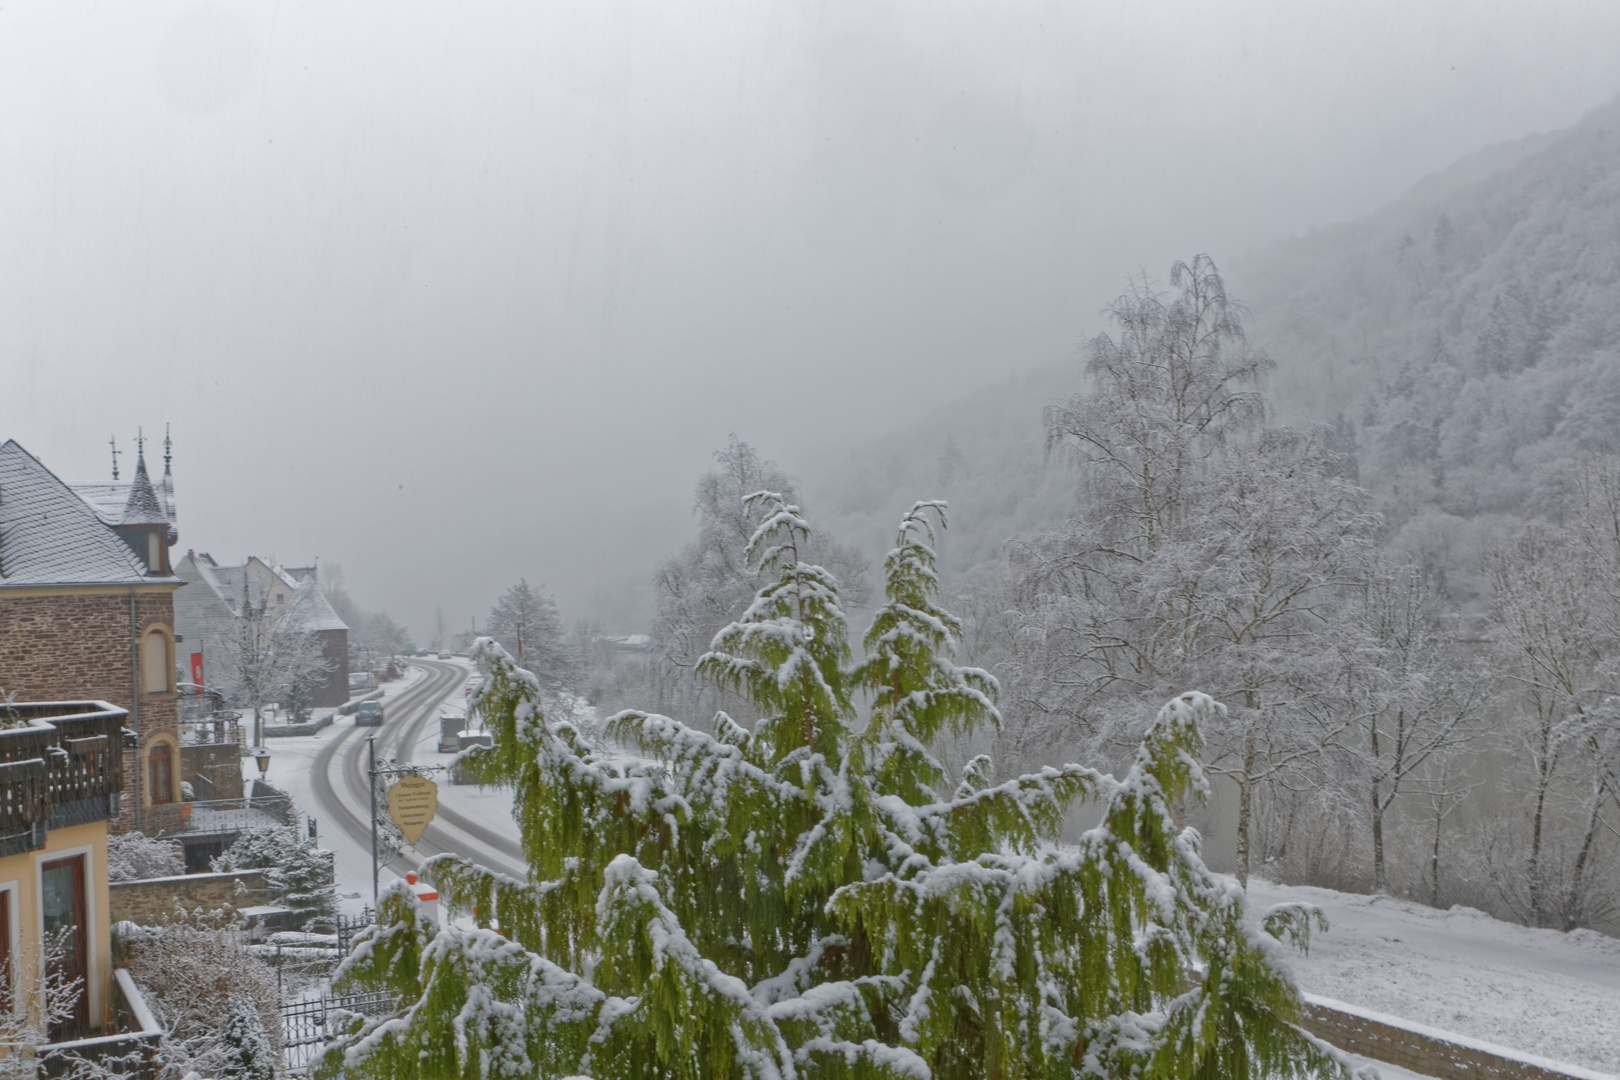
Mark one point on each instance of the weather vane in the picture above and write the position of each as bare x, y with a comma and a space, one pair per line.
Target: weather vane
112, 441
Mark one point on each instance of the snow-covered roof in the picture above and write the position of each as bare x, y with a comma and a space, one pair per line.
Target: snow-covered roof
51, 536
315, 611
111, 499
143, 507
227, 582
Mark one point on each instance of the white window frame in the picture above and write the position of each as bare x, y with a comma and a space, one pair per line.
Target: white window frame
93, 990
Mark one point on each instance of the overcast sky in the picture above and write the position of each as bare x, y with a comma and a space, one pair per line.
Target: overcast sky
452, 293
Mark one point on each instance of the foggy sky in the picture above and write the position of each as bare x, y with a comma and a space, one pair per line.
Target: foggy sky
454, 293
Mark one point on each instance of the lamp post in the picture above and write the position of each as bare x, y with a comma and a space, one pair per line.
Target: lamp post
261, 758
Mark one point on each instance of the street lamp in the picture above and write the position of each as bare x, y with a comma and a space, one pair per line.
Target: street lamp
261, 757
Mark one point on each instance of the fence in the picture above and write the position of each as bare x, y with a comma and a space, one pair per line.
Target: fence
307, 1026
264, 806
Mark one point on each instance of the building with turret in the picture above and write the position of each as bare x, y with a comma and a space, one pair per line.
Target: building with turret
87, 612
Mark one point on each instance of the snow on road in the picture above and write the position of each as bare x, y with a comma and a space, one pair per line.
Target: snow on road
1542, 992
292, 761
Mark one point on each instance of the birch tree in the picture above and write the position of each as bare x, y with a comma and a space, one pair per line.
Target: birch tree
1207, 550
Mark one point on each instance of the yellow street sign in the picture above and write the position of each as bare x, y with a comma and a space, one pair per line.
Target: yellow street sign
412, 802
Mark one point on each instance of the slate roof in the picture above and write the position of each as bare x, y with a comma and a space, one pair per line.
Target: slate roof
143, 507
110, 498
50, 536
308, 606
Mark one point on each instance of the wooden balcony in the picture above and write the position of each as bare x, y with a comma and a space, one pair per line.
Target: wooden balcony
59, 765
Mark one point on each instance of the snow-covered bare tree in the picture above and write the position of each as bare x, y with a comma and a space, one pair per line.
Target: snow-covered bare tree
699, 590
526, 622
1550, 629
263, 657
39, 997
1417, 701
378, 636
820, 896
1207, 550
196, 969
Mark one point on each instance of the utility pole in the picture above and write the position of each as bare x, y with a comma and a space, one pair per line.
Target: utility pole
371, 772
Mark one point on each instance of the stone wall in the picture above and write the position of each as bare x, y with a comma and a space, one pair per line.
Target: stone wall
72, 643
1433, 1053
147, 902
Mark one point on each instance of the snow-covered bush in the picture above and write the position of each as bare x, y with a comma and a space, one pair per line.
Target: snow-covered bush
818, 896
135, 857
196, 971
301, 873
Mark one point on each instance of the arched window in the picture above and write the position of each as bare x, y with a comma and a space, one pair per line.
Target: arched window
161, 763
155, 666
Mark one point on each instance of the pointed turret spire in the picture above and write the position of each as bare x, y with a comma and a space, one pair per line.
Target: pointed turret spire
143, 507
168, 449
112, 441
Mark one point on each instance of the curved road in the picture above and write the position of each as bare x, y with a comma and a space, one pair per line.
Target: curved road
339, 780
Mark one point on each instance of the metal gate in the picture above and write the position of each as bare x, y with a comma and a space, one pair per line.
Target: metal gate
307, 1026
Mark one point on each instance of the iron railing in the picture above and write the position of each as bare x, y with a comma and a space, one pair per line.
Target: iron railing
307, 1026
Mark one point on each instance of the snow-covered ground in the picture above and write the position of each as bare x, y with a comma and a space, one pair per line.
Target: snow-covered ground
1543, 992
292, 761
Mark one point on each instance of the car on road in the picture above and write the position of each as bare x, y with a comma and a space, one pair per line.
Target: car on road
369, 714
444, 656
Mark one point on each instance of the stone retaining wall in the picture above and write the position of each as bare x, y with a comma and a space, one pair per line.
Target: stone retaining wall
1441, 1054
147, 902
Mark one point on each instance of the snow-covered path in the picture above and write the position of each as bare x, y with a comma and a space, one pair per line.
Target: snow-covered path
1544, 992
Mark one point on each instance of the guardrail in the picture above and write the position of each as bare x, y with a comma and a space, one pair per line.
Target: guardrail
1441, 1054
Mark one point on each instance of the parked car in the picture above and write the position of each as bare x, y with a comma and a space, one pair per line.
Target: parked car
369, 714
444, 656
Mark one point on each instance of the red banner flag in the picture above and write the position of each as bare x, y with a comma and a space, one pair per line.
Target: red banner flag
196, 668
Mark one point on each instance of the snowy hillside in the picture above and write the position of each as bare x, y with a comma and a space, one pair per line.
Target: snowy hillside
1470, 334
1541, 992
1468, 337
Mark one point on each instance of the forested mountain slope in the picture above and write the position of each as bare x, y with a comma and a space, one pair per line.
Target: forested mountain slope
1469, 335
1465, 339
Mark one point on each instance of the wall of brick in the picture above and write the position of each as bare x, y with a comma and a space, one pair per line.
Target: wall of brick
72, 644
147, 903
1426, 1052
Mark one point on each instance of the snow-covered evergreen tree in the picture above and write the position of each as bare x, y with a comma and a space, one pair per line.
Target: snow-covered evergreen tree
817, 896
526, 622
301, 873
246, 1050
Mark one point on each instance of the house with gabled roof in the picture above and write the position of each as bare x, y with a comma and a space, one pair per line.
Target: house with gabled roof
214, 592
87, 612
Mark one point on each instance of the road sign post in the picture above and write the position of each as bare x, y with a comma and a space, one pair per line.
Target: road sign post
410, 809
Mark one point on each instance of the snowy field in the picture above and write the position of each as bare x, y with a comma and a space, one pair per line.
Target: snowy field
1542, 992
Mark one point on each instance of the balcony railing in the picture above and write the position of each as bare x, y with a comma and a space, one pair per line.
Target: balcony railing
59, 765
263, 806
